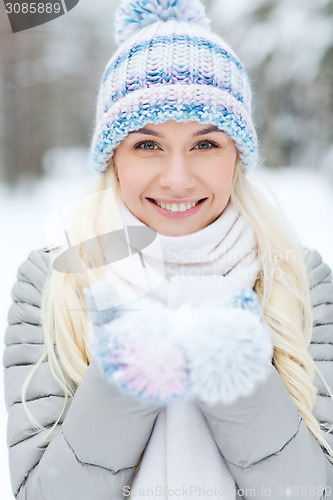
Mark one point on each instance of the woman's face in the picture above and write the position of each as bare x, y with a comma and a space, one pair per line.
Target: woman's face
176, 164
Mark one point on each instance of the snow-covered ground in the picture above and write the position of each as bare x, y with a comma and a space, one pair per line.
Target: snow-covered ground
305, 196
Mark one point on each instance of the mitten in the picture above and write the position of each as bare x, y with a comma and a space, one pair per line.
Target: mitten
135, 346
229, 348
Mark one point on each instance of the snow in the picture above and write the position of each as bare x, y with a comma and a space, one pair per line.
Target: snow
281, 31
305, 196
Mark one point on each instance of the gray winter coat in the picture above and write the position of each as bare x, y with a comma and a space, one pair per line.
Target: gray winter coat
92, 456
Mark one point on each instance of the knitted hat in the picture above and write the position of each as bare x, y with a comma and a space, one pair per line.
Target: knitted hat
170, 66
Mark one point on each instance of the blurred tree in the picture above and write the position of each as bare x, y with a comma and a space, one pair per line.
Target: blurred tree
20, 106
286, 46
49, 76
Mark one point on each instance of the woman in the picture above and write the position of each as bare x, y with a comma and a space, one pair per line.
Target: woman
159, 372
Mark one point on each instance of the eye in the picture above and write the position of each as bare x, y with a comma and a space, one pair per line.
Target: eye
206, 145
147, 145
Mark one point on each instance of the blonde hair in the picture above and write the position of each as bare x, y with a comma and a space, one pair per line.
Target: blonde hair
282, 288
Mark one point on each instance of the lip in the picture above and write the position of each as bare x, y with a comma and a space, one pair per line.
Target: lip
164, 200
176, 215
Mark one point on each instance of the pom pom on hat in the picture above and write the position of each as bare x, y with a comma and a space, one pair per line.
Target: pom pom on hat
133, 15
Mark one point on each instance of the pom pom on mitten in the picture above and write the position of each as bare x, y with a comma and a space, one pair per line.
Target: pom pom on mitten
136, 348
229, 357
227, 344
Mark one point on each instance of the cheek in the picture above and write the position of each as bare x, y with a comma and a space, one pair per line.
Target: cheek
221, 177
126, 176
132, 177
124, 168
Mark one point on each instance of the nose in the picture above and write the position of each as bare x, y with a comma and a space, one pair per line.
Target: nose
177, 173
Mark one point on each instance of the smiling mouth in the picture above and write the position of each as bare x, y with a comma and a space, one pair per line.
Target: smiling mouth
176, 207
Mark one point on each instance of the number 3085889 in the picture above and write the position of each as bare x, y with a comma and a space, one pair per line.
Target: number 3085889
33, 8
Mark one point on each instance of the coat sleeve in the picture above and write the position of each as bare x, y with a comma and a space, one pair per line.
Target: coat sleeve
99, 440
266, 444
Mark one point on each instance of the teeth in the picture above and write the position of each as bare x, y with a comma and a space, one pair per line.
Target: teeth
174, 207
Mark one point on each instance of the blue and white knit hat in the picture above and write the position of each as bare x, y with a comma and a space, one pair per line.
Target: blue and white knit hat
170, 66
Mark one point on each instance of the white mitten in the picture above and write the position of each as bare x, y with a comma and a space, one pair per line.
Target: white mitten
228, 348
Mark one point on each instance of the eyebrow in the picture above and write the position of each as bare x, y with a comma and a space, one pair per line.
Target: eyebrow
148, 131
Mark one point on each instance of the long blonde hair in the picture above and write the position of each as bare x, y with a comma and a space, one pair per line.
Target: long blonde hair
282, 287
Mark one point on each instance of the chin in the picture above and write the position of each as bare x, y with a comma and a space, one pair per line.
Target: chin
178, 231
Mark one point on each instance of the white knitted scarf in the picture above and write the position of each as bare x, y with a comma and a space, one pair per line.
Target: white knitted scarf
181, 458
